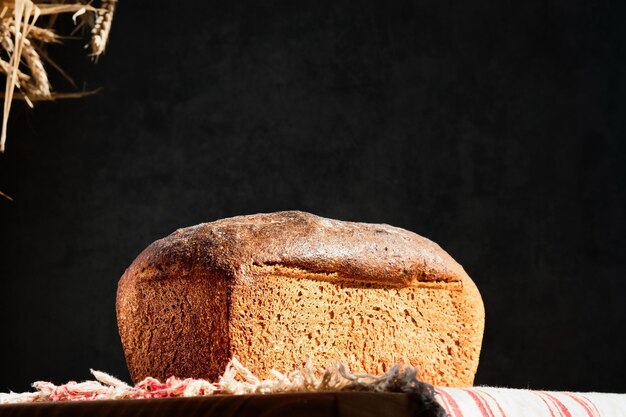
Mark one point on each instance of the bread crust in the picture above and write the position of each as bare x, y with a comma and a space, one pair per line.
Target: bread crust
358, 251
178, 288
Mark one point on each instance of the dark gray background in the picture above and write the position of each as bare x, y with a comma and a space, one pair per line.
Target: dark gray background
495, 128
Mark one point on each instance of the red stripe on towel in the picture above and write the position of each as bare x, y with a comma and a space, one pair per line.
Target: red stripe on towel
452, 405
595, 410
586, 403
444, 403
502, 413
485, 411
540, 395
563, 410
581, 402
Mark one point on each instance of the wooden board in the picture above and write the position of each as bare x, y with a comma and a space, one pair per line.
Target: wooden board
334, 404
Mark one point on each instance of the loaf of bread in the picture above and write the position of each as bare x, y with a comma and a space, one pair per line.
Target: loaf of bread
276, 290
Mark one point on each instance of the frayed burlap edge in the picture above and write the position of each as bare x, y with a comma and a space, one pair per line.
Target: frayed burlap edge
239, 380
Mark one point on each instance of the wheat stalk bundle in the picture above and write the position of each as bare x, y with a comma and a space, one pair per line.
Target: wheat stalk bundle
26, 27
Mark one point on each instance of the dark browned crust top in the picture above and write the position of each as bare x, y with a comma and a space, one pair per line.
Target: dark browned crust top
375, 253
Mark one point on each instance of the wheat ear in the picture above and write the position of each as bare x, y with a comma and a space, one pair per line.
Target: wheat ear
44, 35
102, 27
40, 86
6, 68
6, 39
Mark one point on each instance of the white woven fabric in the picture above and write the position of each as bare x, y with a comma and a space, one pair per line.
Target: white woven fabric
506, 402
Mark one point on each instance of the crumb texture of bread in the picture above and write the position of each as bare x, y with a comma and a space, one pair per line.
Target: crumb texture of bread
278, 321
278, 289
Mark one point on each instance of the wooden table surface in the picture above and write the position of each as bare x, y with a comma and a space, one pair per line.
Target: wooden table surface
332, 404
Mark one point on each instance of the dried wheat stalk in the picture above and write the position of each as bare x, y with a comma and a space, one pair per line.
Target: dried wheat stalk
5, 196
102, 27
6, 68
44, 35
55, 96
24, 15
22, 42
6, 41
40, 86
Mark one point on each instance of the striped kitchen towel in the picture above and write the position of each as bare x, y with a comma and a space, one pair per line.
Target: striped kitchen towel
506, 402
